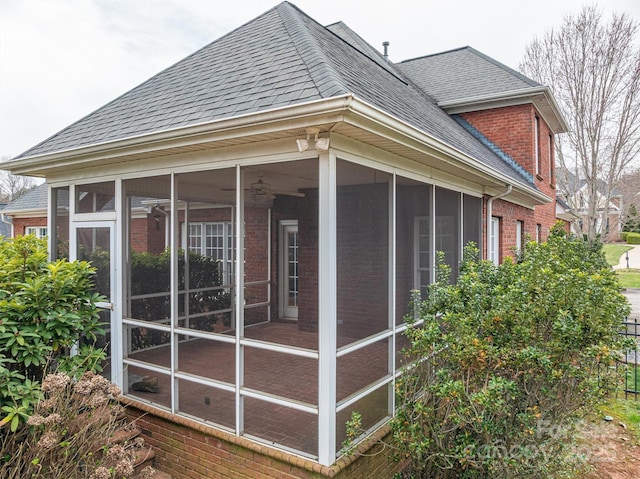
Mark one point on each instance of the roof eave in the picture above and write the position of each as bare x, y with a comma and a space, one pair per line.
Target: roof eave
346, 108
37, 165
541, 97
520, 189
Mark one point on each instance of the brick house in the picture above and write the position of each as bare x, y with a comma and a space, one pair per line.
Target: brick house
303, 184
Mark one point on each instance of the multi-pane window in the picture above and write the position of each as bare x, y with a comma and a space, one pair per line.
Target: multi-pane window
422, 254
519, 235
37, 231
536, 142
215, 241
551, 165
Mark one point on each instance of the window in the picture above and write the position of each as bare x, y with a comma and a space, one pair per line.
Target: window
536, 133
519, 235
215, 241
494, 242
551, 162
422, 254
538, 232
37, 231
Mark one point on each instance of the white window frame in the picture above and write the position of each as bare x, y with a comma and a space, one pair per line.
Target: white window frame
494, 242
419, 268
203, 249
40, 232
536, 132
519, 235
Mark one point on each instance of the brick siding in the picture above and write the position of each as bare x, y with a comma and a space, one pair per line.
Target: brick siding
512, 129
186, 449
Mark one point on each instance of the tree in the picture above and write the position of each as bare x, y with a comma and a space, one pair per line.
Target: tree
13, 186
629, 189
593, 69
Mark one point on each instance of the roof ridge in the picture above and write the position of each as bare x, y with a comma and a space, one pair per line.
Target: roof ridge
435, 54
310, 52
494, 148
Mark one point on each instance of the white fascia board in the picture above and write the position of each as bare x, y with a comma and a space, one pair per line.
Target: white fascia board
340, 108
512, 98
400, 131
241, 125
26, 213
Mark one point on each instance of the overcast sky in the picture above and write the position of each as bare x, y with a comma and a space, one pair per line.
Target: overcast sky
62, 59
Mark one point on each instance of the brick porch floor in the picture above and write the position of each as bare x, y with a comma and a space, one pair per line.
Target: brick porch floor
280, 374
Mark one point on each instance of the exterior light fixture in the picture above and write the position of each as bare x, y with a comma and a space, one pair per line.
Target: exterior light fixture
322, 144
303, 145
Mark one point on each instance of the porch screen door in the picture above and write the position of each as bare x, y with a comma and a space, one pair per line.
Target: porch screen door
94, 242
289, 283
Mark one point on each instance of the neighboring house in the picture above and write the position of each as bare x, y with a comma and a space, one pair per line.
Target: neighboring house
5, 223
575, 193
312, 182
28, 213
565, 214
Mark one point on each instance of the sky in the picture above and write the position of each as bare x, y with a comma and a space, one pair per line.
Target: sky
62, 59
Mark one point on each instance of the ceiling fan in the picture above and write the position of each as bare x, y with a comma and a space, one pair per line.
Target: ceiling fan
260, 188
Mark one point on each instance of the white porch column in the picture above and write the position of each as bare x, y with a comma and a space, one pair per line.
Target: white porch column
327, 309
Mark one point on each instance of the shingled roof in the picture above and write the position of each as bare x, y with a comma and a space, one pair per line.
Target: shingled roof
463, 74
281, 58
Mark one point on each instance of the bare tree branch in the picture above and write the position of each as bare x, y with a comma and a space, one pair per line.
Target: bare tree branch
593, 69
13, 186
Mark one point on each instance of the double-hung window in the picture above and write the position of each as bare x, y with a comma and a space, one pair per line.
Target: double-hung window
215, 241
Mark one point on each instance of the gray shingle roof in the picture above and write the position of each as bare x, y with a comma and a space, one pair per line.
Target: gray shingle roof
36, 198
461, 74
280, 58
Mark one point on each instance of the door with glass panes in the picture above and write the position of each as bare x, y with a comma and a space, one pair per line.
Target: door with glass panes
94, 242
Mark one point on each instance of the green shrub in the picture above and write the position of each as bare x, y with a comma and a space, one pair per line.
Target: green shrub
632, 238
623, 235
507, 360
45, 309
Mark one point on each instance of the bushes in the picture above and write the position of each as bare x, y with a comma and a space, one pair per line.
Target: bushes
507, 360
45, 309
632, 238
72, 434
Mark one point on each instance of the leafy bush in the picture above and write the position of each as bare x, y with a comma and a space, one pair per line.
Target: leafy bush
506, 362
45, 309
633, 238
72, 434
623, 235
151, 274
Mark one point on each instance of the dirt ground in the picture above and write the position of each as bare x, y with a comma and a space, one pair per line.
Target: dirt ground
613, 452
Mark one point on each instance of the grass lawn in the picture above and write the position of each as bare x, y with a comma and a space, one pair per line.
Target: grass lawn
629, 278
613, 252
625, 410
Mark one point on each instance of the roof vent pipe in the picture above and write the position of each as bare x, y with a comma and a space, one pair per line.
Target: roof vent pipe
385, 45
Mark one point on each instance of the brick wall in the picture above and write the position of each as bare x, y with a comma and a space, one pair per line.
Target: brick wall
20, 224
513, 130
186, 449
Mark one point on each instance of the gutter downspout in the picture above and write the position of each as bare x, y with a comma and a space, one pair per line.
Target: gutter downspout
490, 214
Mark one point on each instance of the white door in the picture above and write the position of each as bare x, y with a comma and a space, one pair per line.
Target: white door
94, 242
289, 273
